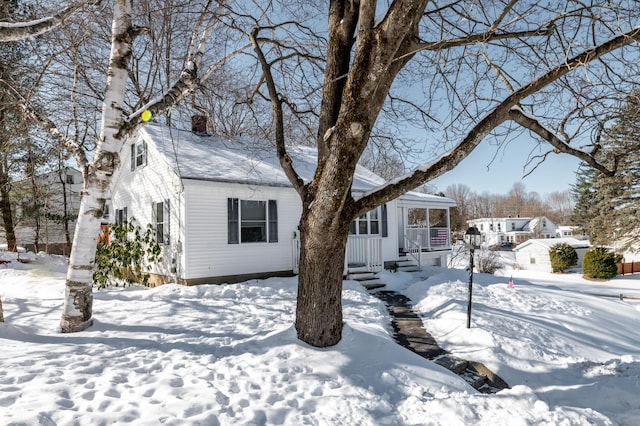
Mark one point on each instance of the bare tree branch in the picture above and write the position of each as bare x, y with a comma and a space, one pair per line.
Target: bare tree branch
528, 122
493, 119
276, 103
49, 127
14, 31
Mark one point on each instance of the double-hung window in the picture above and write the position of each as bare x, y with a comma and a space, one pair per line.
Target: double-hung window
252, 221
121, 216
138, 155
121, 219
161, 222
373, 222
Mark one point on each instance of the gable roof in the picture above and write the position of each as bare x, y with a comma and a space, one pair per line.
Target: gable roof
215, 158
547, 243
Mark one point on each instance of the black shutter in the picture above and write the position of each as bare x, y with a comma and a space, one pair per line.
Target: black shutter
273, 221
232, 220
167, 222
133, 157
385, 221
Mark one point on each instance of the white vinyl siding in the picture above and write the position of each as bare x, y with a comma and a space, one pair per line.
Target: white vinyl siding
207, 249
141, 191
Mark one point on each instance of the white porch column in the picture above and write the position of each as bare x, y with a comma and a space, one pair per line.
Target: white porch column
428, 231
449, 226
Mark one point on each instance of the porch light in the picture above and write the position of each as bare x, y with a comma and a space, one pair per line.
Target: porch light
472, 237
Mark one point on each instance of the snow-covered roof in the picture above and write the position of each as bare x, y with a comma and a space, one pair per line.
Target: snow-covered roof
212, 157
550, 242
215, 158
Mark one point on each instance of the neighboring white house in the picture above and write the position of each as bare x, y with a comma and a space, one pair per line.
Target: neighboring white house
224, 211
44, 220
533, 254
570, 231
496, 230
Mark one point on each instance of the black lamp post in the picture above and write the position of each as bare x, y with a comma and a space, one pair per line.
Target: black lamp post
473, 239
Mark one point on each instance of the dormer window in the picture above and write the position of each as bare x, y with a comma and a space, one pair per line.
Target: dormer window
138, 155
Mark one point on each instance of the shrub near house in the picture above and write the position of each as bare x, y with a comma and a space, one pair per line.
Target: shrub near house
600, 263
562, 256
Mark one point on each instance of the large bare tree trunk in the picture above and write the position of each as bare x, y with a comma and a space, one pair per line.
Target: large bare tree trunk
319, 310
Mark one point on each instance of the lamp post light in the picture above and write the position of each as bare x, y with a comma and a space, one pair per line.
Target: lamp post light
473, 239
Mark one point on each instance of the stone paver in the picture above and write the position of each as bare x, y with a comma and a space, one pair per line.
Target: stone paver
411, 334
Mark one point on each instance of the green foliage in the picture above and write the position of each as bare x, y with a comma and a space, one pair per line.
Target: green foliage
122, 260
607, 206
599, 262
562, 256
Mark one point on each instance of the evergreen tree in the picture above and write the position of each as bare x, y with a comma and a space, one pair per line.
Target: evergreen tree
586, 198
609, 205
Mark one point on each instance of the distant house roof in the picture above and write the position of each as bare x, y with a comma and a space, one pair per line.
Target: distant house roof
215, 158
549, 242
524, 224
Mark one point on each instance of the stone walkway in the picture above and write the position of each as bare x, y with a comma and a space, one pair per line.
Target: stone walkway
411, 334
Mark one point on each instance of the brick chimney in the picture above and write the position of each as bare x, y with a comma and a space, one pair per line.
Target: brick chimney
199, 124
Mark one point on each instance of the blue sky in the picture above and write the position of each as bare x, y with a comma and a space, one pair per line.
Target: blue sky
480, 174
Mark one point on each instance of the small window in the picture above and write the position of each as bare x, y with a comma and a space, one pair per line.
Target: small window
513, 226
160, 217
253, 221
121, 216
369, 223
69, 179
138, 155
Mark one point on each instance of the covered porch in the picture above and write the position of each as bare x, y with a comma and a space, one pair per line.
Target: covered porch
424, 228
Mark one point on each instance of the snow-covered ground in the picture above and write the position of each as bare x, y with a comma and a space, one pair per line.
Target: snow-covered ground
228, 354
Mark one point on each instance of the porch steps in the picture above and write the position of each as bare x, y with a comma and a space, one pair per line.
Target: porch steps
366, 278
407, 265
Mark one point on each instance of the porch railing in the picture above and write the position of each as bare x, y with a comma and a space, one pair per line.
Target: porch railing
433, 238
413, 248
365, 251
361, 251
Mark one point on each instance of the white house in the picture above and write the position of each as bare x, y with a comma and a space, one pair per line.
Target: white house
533, 254
496, 230
44, 217
224, 211
570, 231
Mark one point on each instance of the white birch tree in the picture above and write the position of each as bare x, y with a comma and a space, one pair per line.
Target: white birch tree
116, 125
